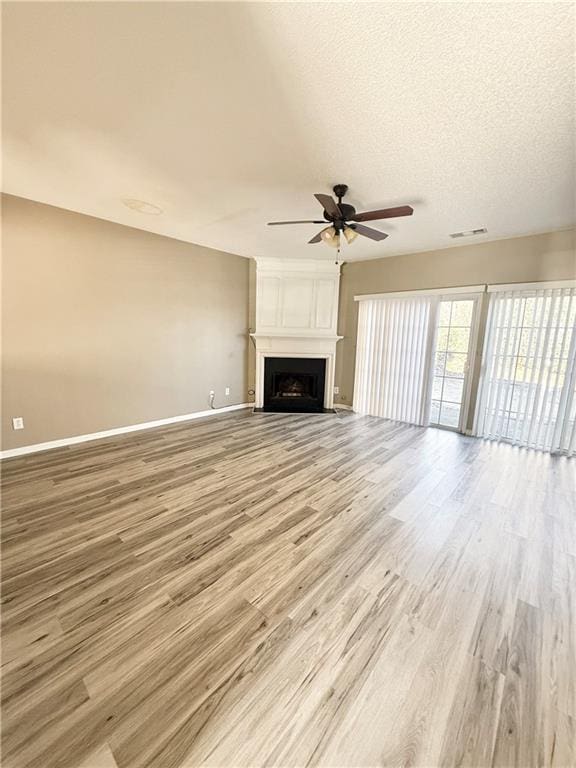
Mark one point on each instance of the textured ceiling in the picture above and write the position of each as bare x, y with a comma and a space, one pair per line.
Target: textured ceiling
227, 116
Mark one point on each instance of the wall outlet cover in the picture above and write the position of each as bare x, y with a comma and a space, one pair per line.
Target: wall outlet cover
18, 422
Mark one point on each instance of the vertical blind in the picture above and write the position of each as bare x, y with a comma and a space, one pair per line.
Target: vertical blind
527, 392
394, 350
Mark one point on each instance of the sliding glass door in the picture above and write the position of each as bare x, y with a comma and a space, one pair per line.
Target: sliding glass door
454, 350
528, 385
415, 356
412, 357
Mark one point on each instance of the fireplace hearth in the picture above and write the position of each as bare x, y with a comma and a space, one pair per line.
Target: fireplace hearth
294, 384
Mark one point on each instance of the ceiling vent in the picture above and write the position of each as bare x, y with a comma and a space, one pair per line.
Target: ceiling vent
469, 232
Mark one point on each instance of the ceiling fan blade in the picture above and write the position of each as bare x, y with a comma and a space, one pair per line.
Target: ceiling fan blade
316, 238
373, 234
384, 213
310, 221
329, 205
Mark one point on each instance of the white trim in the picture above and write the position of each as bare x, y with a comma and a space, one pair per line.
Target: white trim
531, 286
343, 406
470, 363
25, 449
289, 345
425, 292
307, 265
315, 335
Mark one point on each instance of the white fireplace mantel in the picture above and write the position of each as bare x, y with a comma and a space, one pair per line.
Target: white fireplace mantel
296, 315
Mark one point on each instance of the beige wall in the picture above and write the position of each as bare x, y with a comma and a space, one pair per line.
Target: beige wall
105, 326
549, 256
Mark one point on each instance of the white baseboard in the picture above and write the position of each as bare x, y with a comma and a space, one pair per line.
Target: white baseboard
345, 407
118, 431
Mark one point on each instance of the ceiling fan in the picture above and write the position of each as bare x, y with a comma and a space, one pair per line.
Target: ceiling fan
344, 219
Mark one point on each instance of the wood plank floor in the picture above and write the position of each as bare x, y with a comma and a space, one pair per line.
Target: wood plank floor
283, 590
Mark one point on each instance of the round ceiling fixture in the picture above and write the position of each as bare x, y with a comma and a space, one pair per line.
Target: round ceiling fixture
141, 206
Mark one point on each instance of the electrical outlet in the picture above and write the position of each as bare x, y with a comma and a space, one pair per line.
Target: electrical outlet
336, 390
227, 391
18, 423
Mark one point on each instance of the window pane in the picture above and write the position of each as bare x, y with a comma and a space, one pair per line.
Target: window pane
453, 389
511, 342
557, 366
518, 395
442, 339
517, 313
509, 425
439, 363
458, 339
519, 370
527, 342
561, 343
455, 364
529, 311
462, 313
434, 411
571, 317
449, 415
437, 387
444, 316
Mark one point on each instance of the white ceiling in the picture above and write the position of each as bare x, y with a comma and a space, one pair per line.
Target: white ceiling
227, 116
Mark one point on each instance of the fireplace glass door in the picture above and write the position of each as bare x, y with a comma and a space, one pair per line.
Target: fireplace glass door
294, 384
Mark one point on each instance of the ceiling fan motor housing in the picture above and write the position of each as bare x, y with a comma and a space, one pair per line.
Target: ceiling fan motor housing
347, 211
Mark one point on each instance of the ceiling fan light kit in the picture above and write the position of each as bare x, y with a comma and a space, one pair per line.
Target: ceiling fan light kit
331, 237
350, 235
344, 220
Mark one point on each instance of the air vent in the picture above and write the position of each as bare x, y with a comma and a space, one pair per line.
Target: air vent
469, 232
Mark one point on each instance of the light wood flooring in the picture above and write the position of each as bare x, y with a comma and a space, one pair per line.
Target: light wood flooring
284, 590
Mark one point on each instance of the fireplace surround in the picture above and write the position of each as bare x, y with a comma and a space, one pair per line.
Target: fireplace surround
296, 313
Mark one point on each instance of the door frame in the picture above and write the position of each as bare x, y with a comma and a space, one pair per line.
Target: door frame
476, 297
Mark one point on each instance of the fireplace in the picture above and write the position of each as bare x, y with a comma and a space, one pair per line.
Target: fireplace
294, 384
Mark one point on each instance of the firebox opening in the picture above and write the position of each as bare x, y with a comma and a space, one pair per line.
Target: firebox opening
294, 384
